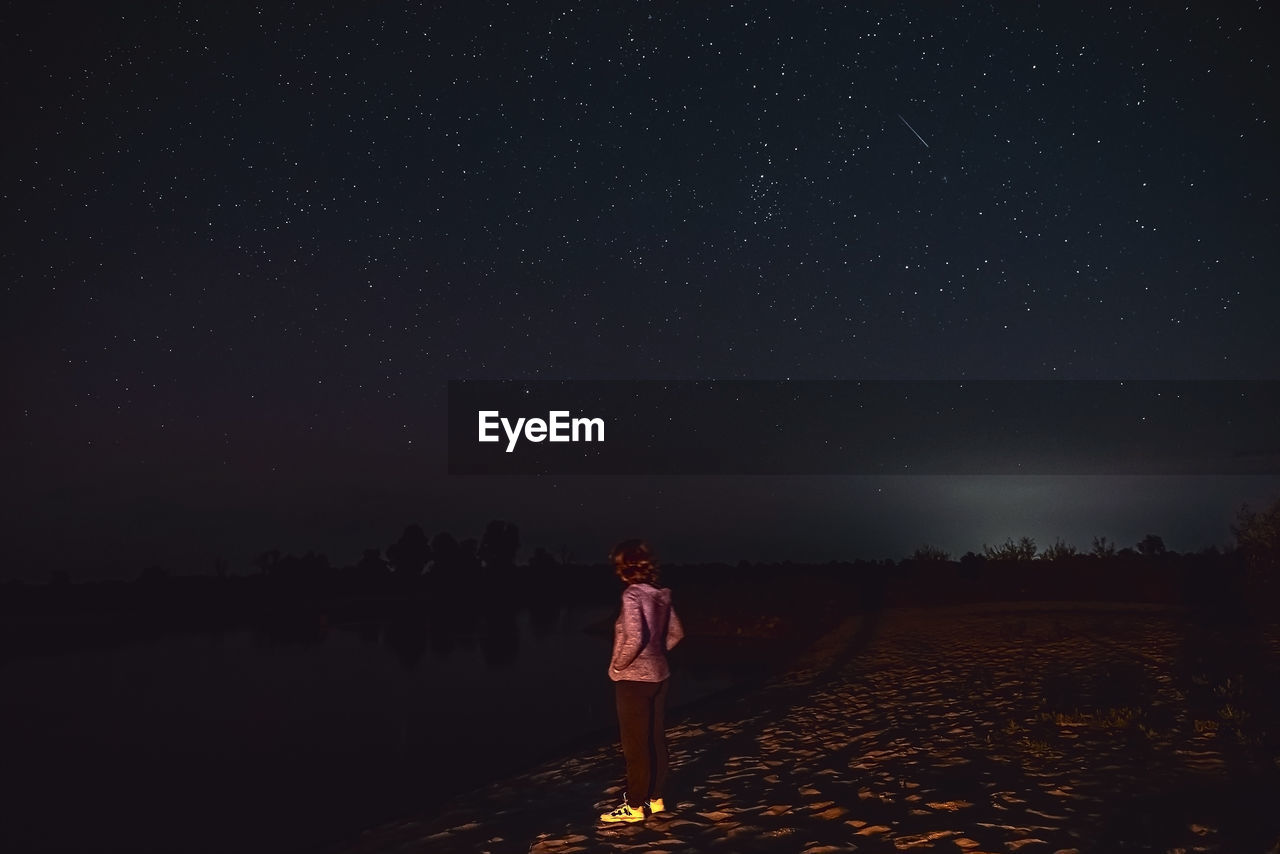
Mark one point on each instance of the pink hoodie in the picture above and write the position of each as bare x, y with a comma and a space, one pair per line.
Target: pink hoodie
644, 631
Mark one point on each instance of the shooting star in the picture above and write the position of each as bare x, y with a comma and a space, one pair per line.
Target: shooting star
913, 130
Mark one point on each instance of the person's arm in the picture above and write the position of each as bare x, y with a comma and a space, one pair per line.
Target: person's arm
632, 639
675, 629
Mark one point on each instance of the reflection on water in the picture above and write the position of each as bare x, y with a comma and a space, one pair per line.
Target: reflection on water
245, 741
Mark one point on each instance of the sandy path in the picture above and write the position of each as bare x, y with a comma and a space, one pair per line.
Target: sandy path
920, 730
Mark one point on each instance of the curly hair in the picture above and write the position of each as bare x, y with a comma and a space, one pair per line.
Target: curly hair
633, 562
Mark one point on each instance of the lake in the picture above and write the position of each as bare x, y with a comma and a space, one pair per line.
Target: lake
232, 742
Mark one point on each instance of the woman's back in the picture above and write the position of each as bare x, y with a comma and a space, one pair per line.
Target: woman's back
645, 629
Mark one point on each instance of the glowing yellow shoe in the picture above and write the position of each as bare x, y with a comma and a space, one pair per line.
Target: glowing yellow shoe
626, 813
656, 806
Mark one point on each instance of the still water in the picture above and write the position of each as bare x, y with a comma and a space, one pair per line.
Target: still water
228, 743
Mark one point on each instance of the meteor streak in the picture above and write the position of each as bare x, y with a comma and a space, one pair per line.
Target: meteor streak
913, 130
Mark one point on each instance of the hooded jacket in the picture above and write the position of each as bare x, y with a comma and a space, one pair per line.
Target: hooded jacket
644, 631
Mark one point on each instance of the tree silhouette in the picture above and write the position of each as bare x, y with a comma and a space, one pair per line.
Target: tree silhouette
309, 568
1258, 534
1024, 549
1258, 539
468, 556
542, 562
267, 561
971, 565
371, 563
409, 555
499, 545
445, 553
1152, 546
1059, 551
1103, 548
928, 553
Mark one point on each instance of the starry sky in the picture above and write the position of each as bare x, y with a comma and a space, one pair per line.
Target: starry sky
247, 245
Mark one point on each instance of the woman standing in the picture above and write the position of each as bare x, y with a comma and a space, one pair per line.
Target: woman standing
645, 630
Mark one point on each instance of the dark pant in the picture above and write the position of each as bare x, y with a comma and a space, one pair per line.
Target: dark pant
644, 740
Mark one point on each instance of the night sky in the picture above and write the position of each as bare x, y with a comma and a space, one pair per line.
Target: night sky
245, 248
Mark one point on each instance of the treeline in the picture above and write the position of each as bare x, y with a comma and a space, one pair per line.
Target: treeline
458, 587
469, 586
1016, 571
1242, 578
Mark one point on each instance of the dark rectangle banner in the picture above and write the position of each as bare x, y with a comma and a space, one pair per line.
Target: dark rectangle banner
758, 427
